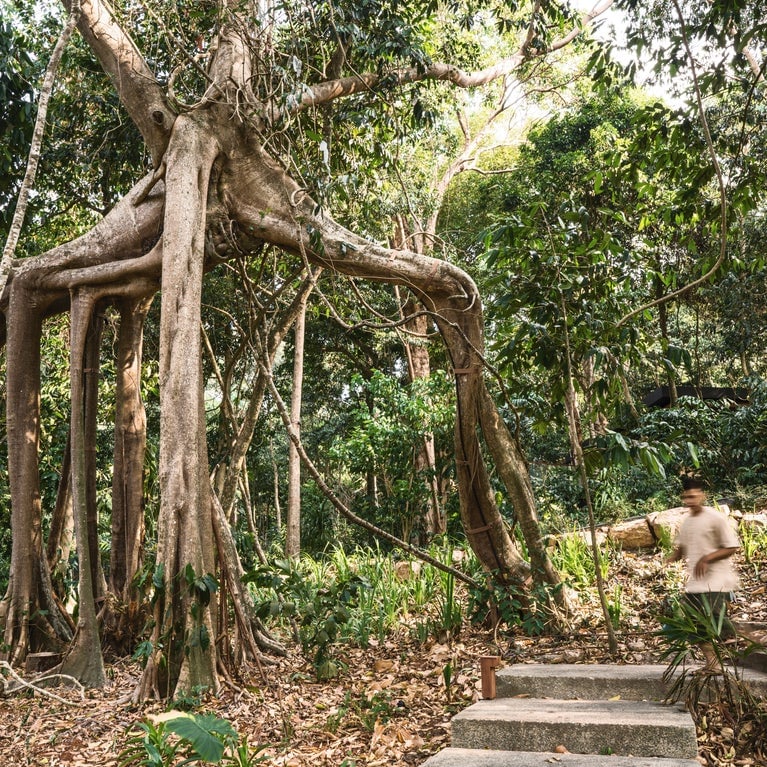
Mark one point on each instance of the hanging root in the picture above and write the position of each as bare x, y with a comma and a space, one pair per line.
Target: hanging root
23, 684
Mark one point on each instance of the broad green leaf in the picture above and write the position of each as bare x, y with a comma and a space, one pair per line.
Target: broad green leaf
208, 735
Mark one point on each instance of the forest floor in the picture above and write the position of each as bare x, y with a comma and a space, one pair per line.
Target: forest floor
390, 706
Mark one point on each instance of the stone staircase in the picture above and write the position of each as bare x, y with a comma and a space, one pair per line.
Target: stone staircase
601, 714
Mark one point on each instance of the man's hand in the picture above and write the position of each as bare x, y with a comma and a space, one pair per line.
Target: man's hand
675, 555
701, 568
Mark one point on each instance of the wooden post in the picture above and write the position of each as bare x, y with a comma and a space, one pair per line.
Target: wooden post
41, 661
488, 664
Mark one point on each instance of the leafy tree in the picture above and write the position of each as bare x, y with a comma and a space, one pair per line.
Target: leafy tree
626, 213
383, 418
239, 153
17, 72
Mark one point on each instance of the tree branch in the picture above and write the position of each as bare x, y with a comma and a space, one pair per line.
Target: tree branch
133, 81
330, 90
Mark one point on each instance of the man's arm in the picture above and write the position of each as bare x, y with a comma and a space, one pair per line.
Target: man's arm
675, 555
701, 567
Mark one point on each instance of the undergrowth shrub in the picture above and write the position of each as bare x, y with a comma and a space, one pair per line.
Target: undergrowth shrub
355, 597
177, 738
714, 696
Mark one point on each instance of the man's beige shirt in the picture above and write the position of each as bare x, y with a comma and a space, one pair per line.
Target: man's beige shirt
700, 534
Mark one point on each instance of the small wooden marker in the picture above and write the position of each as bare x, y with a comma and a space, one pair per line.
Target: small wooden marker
487, 665
41, 661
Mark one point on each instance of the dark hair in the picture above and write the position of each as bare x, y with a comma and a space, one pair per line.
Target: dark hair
693, 483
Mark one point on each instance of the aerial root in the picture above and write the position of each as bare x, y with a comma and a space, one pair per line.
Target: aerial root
24, 684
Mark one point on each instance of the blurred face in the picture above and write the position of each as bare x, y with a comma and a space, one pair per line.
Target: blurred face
693, 499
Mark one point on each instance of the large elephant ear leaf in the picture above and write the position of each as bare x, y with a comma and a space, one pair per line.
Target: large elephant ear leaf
208, 735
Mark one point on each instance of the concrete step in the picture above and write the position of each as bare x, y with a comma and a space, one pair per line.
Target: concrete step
626, 728
601, 682
756, 661
578, 681
468, 757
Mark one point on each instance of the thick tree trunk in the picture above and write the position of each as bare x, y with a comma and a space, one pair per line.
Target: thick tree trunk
31, 616
512, 468
485, 529
39, 287
185, 628
127, 537
84, 660
122, 618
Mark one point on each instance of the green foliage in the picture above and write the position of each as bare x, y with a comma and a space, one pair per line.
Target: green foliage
753, 543
176, 738
201, 589
665, 541
685, 628
725, 445
557, 283
320, 609
84, 108
387, 423
148, 746
358, 597
447, 623
573, 559
189, 700
18, 69
615, 452
496, 601
615, 606
450, 614
368, 710
206, 734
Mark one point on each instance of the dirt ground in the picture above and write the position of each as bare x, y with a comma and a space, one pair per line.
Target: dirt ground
391, 706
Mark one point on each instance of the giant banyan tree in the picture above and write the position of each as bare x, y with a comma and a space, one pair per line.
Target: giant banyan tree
218, 189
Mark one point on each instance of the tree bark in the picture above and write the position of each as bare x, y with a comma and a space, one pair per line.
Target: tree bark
183, 626
32, 618
127, 533
122, 618
293, 511
512, 468
84, 660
